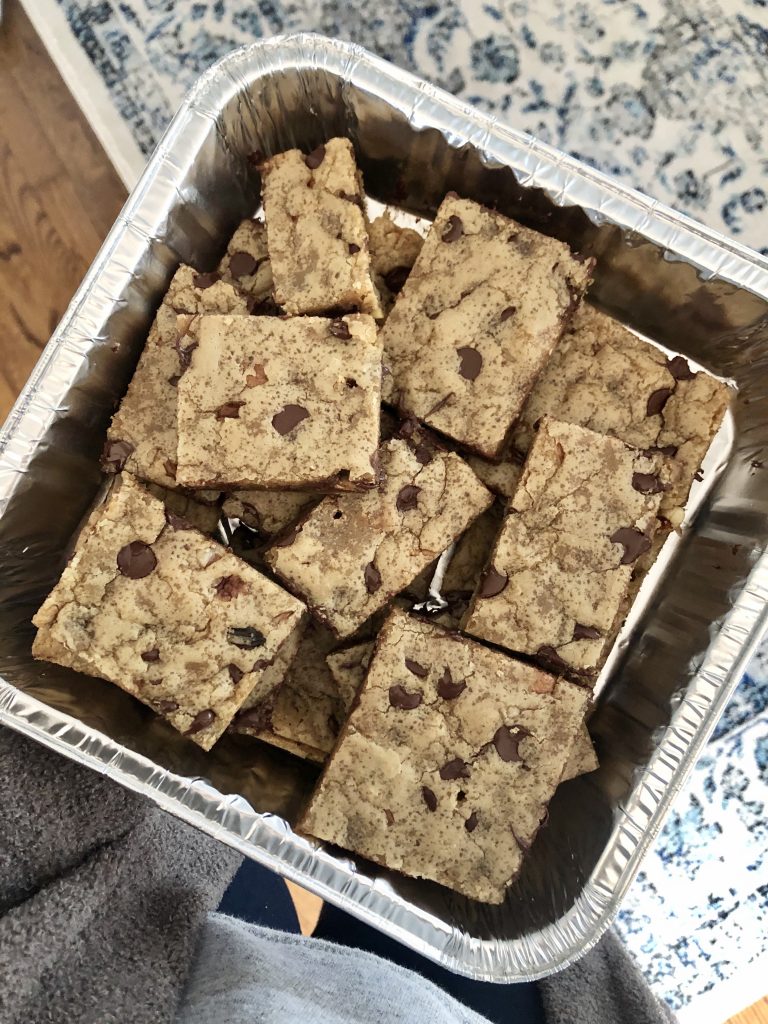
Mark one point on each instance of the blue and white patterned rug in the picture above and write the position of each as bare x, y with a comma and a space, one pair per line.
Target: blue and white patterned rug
671, 96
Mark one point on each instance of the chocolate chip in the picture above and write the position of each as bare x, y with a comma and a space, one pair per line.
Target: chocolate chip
507, 313
372, 578
454, 230
353, 248
201, 721
657, 401
396, 278
400, 698
115, 455
670, 450
177, 522
340, 329
170, 468
471, 362
351, 197
136, 560
679, 368
165, 707
246, 637
254, 718
446, 687
288, 418
185, 355
454, 769
235, 673
493, 583
229, 411
635, 543
429, 798
407, 497
416, 668
647, 483
471, 823
423, 453
151, 655
315, 158
581, 632
389, 816
548, 654
507, 739
174, 380
203, 281
242, 264
229, 586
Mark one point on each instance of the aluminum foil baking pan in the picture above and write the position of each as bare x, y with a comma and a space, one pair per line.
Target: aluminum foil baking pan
697, 621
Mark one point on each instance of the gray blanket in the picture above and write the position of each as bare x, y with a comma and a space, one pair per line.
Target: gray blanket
103, 898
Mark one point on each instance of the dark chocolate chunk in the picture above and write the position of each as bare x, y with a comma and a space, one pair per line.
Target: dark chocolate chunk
424, 453
253, 718
165, 707
389, 816
407, 497
115, 455
177, 522
429, 798
647, 483
581, 632
229, 586
679, 368
174, 380
507, 739
340, 329
548, 654
372, 578
242, 264
170, 468
288, 418
400, 698
471, 362
493, 583
396, 278
185, 354
657, 401
353, 248
229, 411
315, 158
235, 673
507, 313
151, 655
446, 687
203, 281
471, 823
136, 560
416, 668
670, 450
201, 721
634, 542
454, 769
454, 230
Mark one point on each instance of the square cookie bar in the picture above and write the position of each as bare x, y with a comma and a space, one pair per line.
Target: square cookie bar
166, 614
275, 403
246, 265
483, 308
351, 554
583, 513
316, 231
448, 761
142, 435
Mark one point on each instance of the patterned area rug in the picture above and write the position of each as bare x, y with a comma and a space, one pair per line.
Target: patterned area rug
671, 96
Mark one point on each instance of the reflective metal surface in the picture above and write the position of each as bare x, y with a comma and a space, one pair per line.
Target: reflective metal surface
696, 622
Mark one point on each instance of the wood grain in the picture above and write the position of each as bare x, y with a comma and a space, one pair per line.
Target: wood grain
755, 1014
59, 195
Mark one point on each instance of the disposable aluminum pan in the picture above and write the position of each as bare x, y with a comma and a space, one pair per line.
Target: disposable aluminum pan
696, 623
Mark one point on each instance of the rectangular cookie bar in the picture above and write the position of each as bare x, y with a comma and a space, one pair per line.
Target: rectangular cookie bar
351, 554
394, 250
584, 512
142, 435
166, 614
447, 763
316, 231
483, 308
275, 403
246, 266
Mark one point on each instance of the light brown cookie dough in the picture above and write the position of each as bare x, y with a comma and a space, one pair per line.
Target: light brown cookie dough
603, 377
447, 763
500, 477
484, 306
584, 512
142, 435
277, 403
166, 614
582, 759
246, 266
348, 667
393, 252
352, 554
204, 517
267, 512
316, 231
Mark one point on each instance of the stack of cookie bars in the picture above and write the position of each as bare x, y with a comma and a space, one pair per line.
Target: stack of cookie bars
360, 401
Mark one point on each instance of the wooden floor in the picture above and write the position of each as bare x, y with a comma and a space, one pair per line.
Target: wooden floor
58, 198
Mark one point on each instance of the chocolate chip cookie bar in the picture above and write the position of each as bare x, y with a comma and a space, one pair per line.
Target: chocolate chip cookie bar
349, 556
246, 265
394, 250
316, 231
142, 435
447, 763
483, 308
166, 614
278, 403
584, 512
